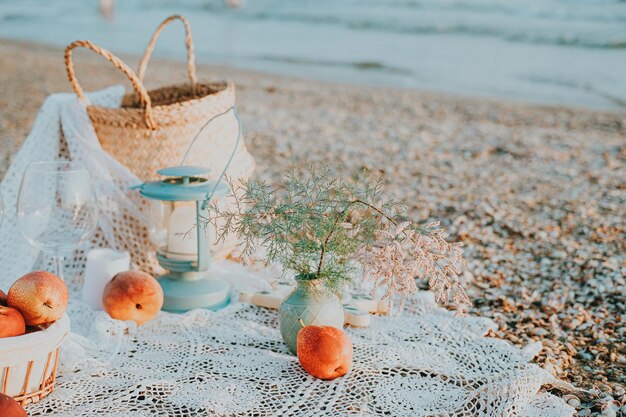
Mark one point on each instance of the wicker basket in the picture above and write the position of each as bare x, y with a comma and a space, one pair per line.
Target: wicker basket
28, 363
157, 129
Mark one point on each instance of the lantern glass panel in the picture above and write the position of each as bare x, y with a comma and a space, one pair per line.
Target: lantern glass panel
181, 235
158, 217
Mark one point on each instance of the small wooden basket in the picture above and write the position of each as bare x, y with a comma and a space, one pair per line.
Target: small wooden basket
28, 363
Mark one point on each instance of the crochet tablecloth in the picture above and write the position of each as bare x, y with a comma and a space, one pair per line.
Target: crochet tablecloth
233, 362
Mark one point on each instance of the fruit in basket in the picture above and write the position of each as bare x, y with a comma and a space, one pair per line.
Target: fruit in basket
11, 323
3, 298
40, 296
10, 408
324, 351
133, 295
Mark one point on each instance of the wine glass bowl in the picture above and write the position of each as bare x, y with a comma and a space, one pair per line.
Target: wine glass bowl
57, 207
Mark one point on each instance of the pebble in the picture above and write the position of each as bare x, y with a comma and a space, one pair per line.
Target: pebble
572, 400
610, 409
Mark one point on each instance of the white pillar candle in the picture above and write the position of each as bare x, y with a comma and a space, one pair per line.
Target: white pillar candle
101, 266
181, 233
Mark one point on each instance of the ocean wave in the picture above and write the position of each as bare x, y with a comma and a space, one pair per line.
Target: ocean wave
582, 23
599, 11
579, 23
360, 65
537, 32
560, 39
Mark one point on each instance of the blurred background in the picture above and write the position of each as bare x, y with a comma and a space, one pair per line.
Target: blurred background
559, 52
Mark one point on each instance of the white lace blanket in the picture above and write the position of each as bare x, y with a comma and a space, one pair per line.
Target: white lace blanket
233, 362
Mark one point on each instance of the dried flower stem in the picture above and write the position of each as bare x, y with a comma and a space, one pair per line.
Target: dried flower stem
315, 216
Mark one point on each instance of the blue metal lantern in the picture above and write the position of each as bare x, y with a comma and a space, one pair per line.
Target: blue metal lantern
185, 253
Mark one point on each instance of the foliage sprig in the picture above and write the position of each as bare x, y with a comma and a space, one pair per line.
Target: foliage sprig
321, 226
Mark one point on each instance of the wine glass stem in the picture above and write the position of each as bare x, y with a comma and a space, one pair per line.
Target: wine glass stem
58, 266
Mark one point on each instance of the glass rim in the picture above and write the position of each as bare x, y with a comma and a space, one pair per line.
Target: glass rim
53, 166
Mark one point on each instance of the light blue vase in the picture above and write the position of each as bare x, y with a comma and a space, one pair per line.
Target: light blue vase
312, 303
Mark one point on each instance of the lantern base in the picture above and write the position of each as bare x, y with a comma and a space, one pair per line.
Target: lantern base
184, 295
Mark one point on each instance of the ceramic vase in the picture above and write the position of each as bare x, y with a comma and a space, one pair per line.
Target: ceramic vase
312, 303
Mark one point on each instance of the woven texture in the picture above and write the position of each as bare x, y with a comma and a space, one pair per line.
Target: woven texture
28, 363
234, 363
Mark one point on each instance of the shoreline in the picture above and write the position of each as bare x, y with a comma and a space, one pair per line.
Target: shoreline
535, 193
241, 72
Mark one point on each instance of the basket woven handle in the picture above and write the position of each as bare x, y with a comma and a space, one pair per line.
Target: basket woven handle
119, 64
191, 58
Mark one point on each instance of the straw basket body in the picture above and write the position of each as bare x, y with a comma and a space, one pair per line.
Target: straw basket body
28, 363
164, 127
124, 135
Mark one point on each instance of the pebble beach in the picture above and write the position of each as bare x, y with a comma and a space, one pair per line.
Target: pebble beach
536, 194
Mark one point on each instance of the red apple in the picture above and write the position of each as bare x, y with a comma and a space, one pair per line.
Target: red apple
10, 408
133, 295
3, 298
324, 351
40, 296
11, 322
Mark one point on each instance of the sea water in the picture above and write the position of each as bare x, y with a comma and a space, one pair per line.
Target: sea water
562, 52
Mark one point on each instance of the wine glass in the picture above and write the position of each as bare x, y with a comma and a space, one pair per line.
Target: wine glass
57, 208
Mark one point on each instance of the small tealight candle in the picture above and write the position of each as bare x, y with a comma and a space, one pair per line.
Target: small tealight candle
101, 266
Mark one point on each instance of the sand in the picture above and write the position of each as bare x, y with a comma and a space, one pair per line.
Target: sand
537, 194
